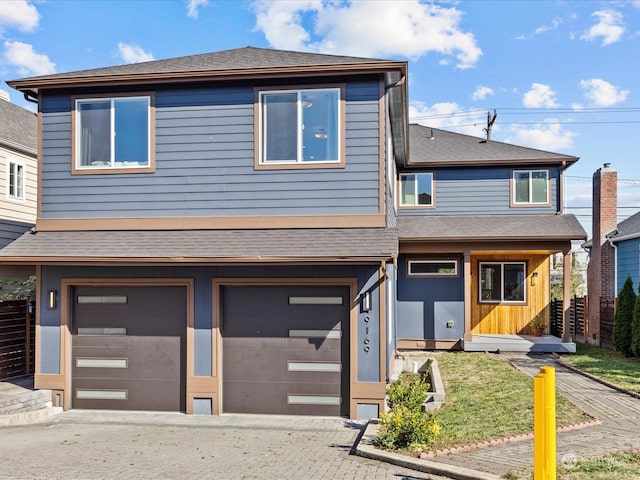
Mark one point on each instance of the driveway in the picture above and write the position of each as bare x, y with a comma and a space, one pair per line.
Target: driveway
103, 445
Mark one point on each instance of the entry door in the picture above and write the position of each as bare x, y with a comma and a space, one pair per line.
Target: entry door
128, 348
285, 350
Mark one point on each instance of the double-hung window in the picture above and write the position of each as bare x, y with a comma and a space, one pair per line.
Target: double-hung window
503, 282
416, 189
300, 127
15, 180
530, 187
113, 134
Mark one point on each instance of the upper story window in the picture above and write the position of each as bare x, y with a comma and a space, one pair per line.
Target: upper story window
301, 127
113, 135
502, 282
416, 189
15, 180
432, 268
530, 187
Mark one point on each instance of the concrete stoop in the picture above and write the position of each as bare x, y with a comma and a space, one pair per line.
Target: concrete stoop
21, 405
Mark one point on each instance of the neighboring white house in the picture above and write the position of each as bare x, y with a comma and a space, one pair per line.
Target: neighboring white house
18, 179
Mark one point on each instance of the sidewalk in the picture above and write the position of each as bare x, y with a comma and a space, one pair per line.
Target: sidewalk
618, 432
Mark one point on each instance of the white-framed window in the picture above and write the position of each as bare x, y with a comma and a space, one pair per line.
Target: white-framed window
113, 133
530, 187
432, 268
416, 189
300, 126
15, 180
503, 282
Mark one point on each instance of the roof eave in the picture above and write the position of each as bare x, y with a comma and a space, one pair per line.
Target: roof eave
493, 162
32, 85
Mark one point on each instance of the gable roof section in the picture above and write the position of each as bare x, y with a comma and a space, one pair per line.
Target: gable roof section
204, 246
491, 228
627, 229
235, 63
18, 128
435, 147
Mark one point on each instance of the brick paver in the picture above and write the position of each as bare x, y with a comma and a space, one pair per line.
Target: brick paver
100, 445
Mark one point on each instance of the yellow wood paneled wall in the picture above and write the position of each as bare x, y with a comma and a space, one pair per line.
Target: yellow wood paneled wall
513, 319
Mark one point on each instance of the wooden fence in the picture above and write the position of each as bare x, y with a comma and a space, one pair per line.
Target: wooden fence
17, 338
576, 318
607, 311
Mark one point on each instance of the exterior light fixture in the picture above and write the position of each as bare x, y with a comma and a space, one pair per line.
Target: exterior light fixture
52, 299
365, 302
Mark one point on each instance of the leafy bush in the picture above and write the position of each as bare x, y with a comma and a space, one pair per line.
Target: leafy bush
407, 426
623, 318
635, 327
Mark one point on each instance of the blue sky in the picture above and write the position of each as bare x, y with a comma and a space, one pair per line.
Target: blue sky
563, 76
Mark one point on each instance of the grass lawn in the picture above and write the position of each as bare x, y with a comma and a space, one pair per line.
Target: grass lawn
606, 364
487, 399
616, 467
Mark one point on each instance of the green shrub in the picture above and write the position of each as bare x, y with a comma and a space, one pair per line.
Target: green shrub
407, 426
623, 318
409, 390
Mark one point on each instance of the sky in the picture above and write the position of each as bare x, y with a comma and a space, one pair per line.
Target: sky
562, 76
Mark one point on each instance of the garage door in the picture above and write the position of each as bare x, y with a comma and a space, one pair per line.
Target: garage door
128, 348
285, 350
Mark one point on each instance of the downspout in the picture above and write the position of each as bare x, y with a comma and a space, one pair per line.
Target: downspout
615, 262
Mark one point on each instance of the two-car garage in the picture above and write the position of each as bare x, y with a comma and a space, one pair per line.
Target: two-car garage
284, 349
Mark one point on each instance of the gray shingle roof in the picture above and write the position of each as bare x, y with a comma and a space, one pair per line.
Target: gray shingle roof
490, 227
628, 228
204, 245
440, 147
247, 60
18, 127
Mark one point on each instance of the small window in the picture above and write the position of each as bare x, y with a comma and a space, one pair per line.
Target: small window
300, 126
416, 189
530, 187
113, 133
502, 282
433, 268
15, 180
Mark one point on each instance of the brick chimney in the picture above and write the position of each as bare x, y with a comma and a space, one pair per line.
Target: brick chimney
601, 268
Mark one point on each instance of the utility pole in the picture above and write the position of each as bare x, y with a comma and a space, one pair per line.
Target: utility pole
491, 119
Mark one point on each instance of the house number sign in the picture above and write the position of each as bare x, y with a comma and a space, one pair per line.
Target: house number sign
366, 340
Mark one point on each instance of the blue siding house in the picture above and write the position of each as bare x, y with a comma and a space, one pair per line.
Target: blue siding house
259, 231
626, 239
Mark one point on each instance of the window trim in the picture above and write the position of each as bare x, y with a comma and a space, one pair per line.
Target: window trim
455, 274
502, 301
22, 165
529, 204
259, 164
75, 137
433, 191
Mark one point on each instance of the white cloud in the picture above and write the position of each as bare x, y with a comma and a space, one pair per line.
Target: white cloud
28, 61
602, 93
481, 92
19, 14
540, 96
610, 27
133, 53
549, 135
410, 28
448, 116
194, 5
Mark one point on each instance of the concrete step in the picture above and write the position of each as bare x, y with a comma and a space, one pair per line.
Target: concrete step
20, 404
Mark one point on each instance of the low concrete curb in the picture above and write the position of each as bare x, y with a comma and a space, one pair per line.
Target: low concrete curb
364, 448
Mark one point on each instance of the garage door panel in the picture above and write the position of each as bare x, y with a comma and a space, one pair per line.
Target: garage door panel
137, 347
285, 358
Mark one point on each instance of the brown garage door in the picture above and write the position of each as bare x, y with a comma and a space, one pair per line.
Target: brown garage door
128, 348
285, 350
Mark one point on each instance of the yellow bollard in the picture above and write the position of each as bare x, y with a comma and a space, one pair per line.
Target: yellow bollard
544, 424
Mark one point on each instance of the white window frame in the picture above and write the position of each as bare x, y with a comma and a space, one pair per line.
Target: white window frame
502, 283
530, 200
13, 166
415, 204
299, 161
455, 263
113, 165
